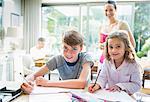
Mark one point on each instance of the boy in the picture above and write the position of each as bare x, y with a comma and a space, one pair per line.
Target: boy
74, 66
38, 52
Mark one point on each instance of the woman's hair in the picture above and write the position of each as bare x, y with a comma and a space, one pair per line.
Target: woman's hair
122, 36
112, 3
72, 38
41, 39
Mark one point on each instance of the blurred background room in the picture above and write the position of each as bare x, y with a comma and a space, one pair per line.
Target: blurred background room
22, 22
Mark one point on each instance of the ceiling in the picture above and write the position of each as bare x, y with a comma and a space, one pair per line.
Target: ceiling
81, 1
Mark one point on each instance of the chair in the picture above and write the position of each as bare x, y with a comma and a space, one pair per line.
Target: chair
28, 63
146, 75
145, 64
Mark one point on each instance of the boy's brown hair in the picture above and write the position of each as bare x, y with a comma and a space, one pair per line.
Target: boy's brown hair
122, 36
72, 38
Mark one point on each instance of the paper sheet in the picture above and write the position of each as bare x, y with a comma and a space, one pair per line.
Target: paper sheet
58, 97
144, 97
48, 90
112, 96
100, 94
84, 97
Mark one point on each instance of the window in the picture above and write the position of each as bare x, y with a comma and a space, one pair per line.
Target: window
56, 20
86, 18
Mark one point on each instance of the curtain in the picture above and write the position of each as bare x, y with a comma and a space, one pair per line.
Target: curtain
32, 22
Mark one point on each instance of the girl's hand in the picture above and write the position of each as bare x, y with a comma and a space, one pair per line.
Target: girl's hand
40, 81
27, 88
92, 88
114, 88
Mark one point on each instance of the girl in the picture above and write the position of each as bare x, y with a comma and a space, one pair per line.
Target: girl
119, 71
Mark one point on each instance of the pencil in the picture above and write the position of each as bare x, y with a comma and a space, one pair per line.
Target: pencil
23, 77
96, 79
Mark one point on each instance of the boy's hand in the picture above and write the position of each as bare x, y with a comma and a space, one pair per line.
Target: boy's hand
92, 88
40, 81
27, 88
114, 88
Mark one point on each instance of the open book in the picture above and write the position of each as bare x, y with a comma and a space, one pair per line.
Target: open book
112, 96
98, 96
45, 94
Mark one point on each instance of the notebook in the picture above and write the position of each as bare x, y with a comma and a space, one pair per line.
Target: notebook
9, 90
112, 96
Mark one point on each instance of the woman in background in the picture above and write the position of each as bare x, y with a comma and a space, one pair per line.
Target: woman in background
113, 24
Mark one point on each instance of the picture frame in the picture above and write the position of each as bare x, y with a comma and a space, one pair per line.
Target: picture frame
14, 19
